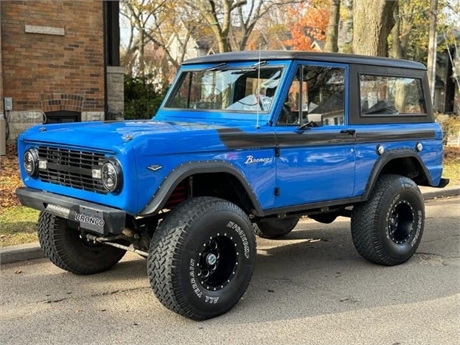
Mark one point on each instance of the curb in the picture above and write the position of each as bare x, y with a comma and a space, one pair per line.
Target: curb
32, 251
434, 193
21, 252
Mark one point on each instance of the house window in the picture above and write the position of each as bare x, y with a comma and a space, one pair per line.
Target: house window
62, 116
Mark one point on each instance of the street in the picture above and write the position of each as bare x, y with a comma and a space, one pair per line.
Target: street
309, 288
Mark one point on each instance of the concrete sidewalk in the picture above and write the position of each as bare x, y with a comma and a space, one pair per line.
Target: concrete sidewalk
33, 251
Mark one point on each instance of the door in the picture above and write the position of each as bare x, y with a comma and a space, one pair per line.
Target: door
316, 146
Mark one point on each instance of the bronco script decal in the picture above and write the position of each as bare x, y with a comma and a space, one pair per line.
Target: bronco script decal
250, 160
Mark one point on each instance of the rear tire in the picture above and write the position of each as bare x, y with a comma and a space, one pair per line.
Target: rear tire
275, 228
201, 258
67, 250
387, 228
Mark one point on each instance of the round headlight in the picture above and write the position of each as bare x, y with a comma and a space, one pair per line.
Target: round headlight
112, 178
30, 162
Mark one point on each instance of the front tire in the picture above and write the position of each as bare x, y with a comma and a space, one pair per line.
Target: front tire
67, 250
201, 258
275, 228
387, 228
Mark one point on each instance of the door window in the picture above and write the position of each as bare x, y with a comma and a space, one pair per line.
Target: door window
316, 95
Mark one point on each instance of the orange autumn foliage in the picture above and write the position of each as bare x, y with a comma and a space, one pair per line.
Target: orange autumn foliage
309, 22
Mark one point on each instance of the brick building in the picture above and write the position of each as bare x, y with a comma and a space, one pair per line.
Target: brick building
59, 62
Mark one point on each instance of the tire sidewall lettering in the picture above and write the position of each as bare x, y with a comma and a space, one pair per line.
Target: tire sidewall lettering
243, 237
418, 227
193, 279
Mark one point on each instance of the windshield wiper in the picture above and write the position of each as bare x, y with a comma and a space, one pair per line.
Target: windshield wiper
224, 67
259, 64
217, 67
250, 68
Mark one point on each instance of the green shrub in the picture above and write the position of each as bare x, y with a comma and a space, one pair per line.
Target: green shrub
450, 125
142, 97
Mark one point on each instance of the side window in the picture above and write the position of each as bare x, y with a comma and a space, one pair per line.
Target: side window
291, 104
315, 96
383, 95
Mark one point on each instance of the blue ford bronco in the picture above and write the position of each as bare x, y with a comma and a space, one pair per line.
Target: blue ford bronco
244, 144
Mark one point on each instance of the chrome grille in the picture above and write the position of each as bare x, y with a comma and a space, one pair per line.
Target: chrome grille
71, 168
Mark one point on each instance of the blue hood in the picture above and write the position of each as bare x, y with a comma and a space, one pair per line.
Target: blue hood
162, 137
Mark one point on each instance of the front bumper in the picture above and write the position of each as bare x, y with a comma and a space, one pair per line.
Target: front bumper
92, 217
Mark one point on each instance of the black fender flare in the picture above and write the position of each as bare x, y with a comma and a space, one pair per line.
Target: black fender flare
185, 170
385, 159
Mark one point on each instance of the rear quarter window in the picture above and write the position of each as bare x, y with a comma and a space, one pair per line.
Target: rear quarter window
391, 96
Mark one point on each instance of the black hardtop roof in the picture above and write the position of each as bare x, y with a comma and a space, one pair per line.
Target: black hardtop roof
255, 55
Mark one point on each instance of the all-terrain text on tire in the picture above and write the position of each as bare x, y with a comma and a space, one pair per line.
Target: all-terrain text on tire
244, 144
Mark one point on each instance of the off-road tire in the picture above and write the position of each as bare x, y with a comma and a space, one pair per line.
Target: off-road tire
197, 233
64, 247
387, 228
275, 228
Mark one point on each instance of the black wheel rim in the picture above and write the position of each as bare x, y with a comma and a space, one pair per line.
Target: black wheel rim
217, 262
400, 222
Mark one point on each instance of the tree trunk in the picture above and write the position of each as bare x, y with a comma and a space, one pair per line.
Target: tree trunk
396, 49
221, 28
347, 43
223, 44
333, 28
372, 23
141, 54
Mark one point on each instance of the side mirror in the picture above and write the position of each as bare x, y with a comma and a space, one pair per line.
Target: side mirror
308, 125
311, 120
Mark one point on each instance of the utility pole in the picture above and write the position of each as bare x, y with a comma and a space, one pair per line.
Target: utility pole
432, 47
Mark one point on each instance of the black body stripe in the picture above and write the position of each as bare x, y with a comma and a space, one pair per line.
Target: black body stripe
237, 139
426, 134
314, 139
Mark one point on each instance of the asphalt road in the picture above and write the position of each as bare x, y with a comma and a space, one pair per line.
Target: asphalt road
310, 288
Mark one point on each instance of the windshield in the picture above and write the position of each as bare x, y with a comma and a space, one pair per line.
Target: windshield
247, 89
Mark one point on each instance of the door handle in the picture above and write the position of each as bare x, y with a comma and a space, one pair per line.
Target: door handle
348, 131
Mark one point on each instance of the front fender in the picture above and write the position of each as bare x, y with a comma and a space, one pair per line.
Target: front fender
185, 170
